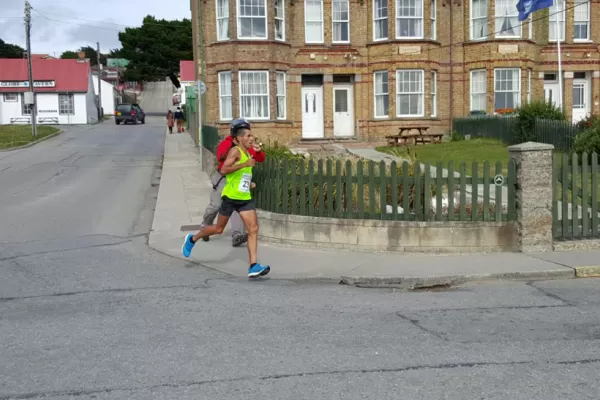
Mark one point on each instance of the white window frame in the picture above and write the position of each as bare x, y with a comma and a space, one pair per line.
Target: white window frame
377, 94
70, 109
281, 20
473, 93
433, 92
281, 96
267, 94
221, 18
518, 70
482, 21
581, 5
340, 22
321, 21
557, 15
384, 5
240, 16
10, 97
225, 76
420, 92
432, 20
418, 17
500, 16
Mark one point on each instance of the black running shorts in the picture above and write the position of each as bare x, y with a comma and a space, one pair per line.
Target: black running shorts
228, 206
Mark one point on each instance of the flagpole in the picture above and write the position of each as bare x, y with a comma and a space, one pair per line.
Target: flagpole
560, 75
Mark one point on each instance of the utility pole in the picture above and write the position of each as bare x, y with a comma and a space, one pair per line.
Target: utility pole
100, 111
28, 37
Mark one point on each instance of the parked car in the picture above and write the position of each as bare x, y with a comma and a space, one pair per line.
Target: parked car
129, 113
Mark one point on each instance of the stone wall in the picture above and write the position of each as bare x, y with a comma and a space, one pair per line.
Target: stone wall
388, 236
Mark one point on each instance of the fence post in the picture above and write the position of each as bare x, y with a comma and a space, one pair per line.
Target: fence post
533, 195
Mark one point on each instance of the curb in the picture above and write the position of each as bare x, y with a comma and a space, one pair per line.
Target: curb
423, 282
34, 143
592, 271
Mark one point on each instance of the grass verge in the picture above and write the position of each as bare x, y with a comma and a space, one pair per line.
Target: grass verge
20, 135
479, 150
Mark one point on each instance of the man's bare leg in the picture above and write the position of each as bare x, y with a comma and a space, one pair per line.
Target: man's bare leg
211, 230
250, 220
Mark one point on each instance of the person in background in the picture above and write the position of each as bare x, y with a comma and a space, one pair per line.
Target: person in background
170, 121
179, 120
218, 180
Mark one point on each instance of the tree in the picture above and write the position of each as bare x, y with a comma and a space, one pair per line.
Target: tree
155, 48
90, 53
69, 55
8, 50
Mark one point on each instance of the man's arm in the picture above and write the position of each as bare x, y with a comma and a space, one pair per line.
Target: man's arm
232, 157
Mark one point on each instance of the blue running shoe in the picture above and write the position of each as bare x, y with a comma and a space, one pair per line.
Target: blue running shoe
258, 270
187, 246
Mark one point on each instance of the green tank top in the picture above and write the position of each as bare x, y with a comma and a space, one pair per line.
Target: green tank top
237, 184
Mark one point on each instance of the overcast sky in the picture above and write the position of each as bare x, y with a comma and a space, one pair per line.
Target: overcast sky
59, 25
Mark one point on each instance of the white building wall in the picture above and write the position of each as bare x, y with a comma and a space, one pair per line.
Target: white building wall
90, 100
9, 109
108, 95
47, 107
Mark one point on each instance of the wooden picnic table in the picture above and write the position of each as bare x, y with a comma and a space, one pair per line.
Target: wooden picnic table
422, 137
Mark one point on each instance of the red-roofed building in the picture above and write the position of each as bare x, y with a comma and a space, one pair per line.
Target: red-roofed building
187, 77
64, 91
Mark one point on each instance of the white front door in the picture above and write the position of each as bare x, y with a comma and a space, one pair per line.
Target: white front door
312, 112
581, 100
551, 93
343, 111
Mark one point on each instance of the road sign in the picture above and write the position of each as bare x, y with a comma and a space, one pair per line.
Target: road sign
201, 87
499, 180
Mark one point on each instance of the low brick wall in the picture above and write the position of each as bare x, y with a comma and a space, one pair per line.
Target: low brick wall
389, 236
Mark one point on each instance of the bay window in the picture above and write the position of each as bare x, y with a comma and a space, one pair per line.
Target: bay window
409, 19
280, 20
254, 94
478, 90
507, 19
225, 96
252, 19
479, 19
222, 19
382, 99
507, 88
409, 93
380, 19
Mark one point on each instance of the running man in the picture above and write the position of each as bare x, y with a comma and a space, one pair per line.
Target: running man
238, 237
236, 197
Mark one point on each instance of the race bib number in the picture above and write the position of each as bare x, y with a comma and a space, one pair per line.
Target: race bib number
245, 183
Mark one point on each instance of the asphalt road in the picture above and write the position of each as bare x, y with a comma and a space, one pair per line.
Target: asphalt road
88, 311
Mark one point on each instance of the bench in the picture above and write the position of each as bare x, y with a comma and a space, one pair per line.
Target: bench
435, 138
20, 120
48, 120
422, 137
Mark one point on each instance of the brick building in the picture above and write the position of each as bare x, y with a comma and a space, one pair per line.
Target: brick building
339, 69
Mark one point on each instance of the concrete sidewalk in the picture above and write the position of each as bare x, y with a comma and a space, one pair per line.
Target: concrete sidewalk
184, 193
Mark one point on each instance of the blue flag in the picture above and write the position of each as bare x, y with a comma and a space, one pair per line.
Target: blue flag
526, 7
